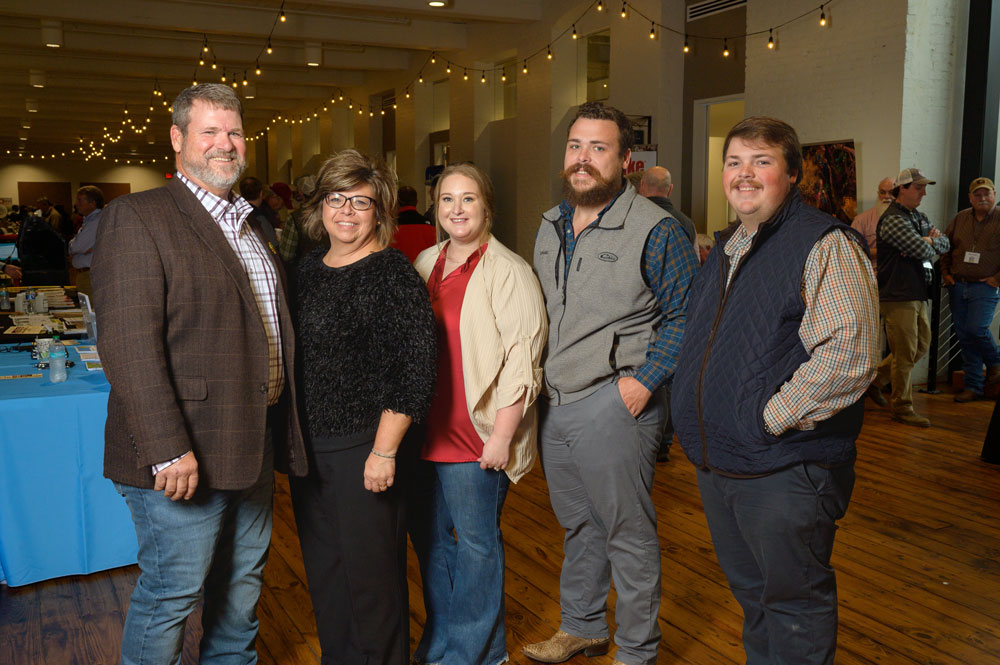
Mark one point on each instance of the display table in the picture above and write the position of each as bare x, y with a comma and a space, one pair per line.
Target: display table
58, 514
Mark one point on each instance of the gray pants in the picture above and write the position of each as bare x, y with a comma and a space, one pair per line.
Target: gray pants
599, 463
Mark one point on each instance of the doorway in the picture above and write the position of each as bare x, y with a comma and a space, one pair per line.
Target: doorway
713, 118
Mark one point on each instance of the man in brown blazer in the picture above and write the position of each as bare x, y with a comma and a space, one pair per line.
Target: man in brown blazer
197, 343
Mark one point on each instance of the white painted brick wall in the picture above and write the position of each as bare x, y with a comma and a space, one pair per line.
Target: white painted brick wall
844, 81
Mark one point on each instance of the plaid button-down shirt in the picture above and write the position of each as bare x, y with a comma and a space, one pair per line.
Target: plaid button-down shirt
839, 331
231, 216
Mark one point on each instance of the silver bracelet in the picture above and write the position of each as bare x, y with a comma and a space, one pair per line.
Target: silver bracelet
383, 455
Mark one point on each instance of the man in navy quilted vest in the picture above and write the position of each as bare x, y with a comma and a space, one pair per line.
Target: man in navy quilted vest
780, 344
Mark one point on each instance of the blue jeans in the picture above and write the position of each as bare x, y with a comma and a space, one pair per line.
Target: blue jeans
217, 540
773, 537
972, 308
463, 581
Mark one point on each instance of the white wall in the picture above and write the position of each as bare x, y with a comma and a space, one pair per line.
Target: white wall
844, 81
933, 95
75, 171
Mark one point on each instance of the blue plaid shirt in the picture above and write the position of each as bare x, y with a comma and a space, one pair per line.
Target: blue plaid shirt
668, 265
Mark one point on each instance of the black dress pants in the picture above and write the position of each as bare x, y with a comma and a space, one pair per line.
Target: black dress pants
354, 550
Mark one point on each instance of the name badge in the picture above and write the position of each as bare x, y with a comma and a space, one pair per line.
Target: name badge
972, 257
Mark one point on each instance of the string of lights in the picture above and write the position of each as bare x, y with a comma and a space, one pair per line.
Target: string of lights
627, 11
229, 74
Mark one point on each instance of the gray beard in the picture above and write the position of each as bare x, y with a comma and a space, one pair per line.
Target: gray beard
213, 178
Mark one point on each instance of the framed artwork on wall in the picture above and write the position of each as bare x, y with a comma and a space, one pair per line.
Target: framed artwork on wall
830, 178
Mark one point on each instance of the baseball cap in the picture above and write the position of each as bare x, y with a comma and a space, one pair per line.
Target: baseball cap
981, 182
912, 176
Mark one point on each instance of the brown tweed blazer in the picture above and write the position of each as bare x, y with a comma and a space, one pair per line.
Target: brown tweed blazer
184, 347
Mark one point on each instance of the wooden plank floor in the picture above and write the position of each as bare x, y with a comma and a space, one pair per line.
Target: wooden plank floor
918, 561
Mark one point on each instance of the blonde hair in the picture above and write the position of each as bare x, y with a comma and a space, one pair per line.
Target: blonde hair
485, 185
343, 172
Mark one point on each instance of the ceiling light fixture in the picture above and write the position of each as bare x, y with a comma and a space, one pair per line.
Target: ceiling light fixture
314, 54
52, 33
36, 77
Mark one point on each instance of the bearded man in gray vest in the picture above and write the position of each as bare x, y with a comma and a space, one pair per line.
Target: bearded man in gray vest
780, 344
615, 271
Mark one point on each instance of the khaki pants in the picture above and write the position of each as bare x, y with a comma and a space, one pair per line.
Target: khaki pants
908, 332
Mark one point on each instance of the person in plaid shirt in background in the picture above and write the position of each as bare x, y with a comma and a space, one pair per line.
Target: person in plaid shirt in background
907, 245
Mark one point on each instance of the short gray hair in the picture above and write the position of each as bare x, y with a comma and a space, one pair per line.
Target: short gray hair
215, 95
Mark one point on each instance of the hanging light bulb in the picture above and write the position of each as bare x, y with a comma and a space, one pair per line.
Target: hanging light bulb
770, 38
822, 17
600, 6
204, 46
548, 53
624, 10
420, 77
201, 62
524, 68
433, 58
574, 31
448, 68
725, 48
214, 65
282, 17
483, 78
465, 74
503, 75
257, 68
687, 49
269, 49
652, 30
245, 77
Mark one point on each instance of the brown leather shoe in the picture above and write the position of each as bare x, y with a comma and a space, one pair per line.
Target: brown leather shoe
968, 396
562, 646
993, 375
874, 393
911, 419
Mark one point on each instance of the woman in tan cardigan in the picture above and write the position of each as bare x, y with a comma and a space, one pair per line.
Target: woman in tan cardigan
481, 431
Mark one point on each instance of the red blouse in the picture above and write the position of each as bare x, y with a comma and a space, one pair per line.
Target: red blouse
451, 436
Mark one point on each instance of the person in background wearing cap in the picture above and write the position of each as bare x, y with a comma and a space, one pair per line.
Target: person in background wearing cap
293, 244
866, 222
907, 244
971, 271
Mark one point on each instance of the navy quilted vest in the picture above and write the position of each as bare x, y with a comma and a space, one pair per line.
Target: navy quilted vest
740, 348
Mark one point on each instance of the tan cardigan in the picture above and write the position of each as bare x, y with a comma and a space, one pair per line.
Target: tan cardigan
503, 328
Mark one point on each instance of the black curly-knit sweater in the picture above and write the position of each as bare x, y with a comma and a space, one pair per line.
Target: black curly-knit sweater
365, 335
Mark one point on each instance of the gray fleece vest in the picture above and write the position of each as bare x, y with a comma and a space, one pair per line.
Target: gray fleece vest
602, 317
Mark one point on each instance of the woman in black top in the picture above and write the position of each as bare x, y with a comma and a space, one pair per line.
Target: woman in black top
365, 331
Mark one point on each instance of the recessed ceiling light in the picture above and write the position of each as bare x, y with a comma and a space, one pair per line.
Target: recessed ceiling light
437, 3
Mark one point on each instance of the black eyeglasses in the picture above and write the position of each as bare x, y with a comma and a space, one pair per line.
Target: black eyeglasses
359, 203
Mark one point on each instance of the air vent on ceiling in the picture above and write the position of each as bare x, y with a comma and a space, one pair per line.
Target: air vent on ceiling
708, 7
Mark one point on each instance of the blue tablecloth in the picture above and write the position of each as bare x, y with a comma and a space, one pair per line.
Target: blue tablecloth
8, 250
58, 514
